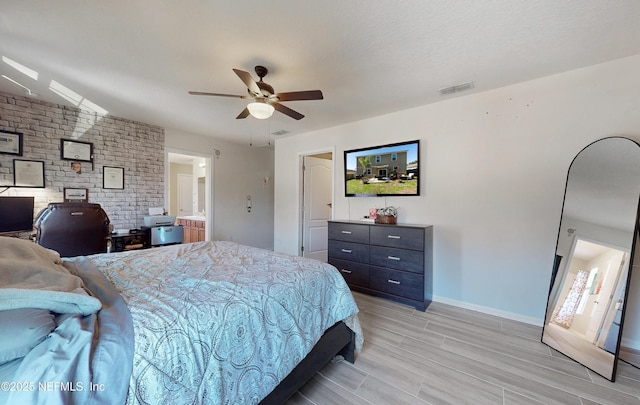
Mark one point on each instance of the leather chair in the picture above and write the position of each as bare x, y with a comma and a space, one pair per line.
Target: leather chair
73, 229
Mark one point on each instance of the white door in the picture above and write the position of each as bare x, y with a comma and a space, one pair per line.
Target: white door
185, 194
603, 299
318, 197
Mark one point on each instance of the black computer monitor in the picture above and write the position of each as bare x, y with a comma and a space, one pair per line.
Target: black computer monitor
16, 214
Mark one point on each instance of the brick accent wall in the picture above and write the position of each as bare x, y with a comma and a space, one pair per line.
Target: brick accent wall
135, 146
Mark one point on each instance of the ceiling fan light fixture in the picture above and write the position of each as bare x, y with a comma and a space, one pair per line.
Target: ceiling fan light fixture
260, 110
266, 101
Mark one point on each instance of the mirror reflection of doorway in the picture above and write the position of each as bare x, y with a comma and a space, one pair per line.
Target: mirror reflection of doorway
600, 203
587, 309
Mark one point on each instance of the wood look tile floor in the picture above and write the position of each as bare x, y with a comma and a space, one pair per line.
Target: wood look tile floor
449, 355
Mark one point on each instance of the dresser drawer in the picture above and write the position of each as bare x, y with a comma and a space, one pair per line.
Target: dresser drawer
353, 273
349, 232
398, 237
353, 252
400, 283
408, 260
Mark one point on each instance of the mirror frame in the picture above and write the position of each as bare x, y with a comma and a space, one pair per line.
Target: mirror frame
559, 262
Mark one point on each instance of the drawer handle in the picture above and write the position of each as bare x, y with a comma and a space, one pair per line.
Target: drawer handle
346, 271
393, 258
394, 282
393, 236
346, 232
346, 250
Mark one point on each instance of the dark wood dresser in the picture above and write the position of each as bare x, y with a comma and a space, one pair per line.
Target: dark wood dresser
391, 261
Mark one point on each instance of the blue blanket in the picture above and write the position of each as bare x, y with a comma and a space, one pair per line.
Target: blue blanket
84, 360
200, 323
222, 323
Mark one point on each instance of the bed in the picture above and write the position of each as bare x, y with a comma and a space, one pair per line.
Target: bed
199, 323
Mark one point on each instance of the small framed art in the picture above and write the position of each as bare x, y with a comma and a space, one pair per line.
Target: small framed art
76, 195
28, 173
11, 143
76, 150
113, 177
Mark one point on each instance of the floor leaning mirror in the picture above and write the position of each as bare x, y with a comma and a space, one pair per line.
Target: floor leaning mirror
594, 256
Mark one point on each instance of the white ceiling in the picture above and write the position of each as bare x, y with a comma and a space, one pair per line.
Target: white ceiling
588, 251
137, 59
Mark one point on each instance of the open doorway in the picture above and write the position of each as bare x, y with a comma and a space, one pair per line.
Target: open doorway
316, 203
586, 315
189, 188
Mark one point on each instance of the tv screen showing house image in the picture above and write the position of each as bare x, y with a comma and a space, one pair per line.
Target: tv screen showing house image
383, 170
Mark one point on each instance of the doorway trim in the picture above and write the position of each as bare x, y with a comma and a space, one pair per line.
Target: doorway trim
301, 156
209, 185
607, 315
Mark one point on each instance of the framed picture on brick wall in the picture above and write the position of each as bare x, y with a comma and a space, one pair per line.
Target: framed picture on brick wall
11, 143
28, 173
76, 194
76, 150
113, 177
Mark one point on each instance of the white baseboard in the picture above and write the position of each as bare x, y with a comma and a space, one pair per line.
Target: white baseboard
630, 343
491, 311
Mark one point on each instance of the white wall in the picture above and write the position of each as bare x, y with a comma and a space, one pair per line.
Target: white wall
239, 171
493, 168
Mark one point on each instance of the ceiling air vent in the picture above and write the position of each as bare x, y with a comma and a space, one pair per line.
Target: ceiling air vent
456, 89
281, 132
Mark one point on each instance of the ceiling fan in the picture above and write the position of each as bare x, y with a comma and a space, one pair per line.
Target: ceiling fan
265, 99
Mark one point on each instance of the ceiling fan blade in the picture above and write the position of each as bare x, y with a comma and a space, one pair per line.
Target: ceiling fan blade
287, 111
243, 114
300, 95
203, 93
249, 82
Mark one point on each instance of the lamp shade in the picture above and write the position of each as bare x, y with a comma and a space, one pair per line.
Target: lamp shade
260, 110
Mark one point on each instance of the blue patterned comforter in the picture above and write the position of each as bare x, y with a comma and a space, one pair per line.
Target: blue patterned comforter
222, 323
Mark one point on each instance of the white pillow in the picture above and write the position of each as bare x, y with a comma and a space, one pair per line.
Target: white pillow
21, 330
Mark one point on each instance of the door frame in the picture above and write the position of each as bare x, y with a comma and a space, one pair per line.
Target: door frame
209, 185
301, 185
626, 253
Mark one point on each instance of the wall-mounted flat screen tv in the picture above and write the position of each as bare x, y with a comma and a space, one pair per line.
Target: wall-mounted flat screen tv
16, 214
384, 170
